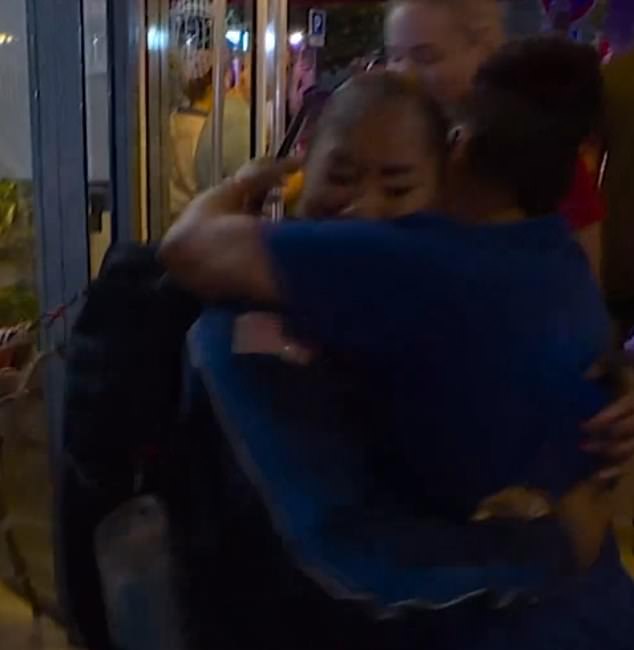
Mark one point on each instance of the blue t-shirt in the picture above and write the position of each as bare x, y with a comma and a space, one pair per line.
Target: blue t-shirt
471, 343
451, 365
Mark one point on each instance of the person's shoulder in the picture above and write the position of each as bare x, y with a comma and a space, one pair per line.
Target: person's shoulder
334, 226
383, 229
335, 235
358, 238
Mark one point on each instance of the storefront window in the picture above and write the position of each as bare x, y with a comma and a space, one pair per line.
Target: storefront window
18, 301
25, 486
97, 130
184, 38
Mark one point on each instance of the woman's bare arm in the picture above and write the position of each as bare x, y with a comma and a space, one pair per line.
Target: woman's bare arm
219, 259
584, 513
216, 249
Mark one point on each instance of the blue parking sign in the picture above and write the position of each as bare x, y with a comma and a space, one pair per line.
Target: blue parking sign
317, 27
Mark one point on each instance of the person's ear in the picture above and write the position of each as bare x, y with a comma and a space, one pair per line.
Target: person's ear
457, 141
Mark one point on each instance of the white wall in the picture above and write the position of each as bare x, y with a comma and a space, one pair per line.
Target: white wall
15, 127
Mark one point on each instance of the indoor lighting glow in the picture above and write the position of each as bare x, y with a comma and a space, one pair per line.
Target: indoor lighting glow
234, 36
296, 38
269, 40
157, 39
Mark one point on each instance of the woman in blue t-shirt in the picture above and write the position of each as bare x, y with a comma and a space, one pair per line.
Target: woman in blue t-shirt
469, 344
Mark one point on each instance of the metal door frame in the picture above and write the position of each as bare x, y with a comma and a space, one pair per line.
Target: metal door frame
259, 78
58, 128
56, 71
157, 108
126, 45
56, 62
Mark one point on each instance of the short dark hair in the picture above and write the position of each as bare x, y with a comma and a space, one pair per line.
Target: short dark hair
533, 104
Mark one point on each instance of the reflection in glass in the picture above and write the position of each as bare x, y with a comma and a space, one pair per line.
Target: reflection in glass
188, 153
25, 486
97, 130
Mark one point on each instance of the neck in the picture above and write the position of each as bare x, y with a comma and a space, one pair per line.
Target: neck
479, 202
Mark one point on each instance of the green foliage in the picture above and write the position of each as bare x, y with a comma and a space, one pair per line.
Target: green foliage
17, 305
8, 204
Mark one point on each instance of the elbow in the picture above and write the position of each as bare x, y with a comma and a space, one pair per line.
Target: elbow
179, 254
171, 252
194, 254
216, 259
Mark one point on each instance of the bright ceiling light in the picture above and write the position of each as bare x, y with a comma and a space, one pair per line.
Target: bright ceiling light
234, 36
296, 38
157, 39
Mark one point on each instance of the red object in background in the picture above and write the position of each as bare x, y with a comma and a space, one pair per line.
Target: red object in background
578, 8
605, 49
584, 205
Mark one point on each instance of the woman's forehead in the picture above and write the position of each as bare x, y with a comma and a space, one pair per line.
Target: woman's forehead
392, 146
414, 24
391, 121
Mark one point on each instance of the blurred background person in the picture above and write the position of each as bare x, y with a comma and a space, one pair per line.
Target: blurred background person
191, 121
192, 66
185, 126
303, 76
444, 42
236, 140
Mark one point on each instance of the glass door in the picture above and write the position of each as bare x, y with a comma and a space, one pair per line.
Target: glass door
44, 265
97, 99
25, 480
215, 94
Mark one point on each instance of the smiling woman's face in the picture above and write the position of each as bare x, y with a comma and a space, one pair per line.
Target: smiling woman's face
430, 41
380, 167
